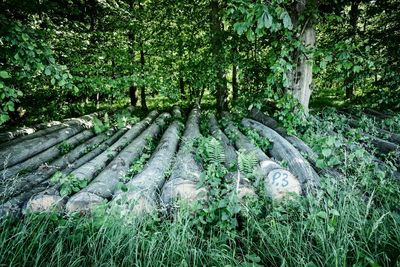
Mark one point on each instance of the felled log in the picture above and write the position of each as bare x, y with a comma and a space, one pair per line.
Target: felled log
278, 182
377, 114
185, 174
47, 155
44, 129
141, 194
105, 184
45, 200
37, 182
71, 160
243, 185
11, 155
391, 137
89, 170
283, 150
312, 157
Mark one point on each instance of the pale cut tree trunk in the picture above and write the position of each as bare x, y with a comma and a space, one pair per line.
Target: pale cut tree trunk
259, 116
39, 181
69, 161
141, 195
278, 182
237, 178
47, 155
105, 184
283, 150
185, 174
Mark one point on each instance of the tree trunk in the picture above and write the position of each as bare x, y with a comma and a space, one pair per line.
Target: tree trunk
105, 184
186, 171
50, 197
278, 182
354, 11
48, 190
301, 77
243, 185
132, 95
13, 155
235, 89
141, 195
182, 88
132, 88
283, 150
43, 129
217, 44
47, 155
29, 184
143, 88
257, 115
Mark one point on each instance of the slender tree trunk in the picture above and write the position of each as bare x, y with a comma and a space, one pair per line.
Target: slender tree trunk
182, 87
234, 82
301, 77
217, 43
349, 81
132, 95
143, 88
132, 88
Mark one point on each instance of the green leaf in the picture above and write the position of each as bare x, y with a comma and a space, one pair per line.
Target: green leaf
47, 71
287, 21
267, 18
326, 152
322, 214
4, 74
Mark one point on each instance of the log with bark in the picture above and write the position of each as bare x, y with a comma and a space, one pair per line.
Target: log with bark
376, 114
242, 184
69, 161
38, 181
141, 194
91, 168
283, 150
46, 128
185, 174
384, 134
12, 155
278, 182
105, 184
47, 155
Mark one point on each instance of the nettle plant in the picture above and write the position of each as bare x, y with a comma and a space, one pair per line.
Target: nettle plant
68, 183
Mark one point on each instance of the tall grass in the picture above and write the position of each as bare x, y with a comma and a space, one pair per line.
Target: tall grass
352, 221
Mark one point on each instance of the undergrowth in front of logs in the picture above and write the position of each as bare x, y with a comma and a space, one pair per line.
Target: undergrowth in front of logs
351, 220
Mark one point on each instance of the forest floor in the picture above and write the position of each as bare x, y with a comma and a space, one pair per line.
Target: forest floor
183, 187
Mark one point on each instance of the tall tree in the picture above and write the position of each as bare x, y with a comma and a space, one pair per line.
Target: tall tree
217, 44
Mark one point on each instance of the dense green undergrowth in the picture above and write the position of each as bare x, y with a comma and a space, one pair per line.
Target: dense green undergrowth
353, 220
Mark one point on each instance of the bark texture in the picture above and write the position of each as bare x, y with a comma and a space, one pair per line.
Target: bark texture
243, 185
302, 75
65, 164
283, 150
105, 184
15, 154
49, 196
46, 128
89, 170
141, 195
47, 155
38, 184
302, 147
278, 182
186, 171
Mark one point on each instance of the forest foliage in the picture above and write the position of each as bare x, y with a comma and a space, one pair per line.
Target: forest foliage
65, 56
